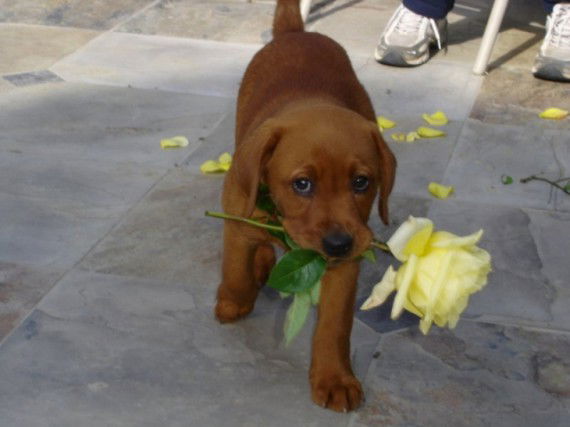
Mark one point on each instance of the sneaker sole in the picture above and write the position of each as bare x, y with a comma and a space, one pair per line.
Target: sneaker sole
552, 73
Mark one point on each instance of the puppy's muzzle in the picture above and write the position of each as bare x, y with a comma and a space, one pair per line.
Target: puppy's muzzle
337, 244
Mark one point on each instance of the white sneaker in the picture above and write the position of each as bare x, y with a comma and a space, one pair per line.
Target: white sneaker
553, 59
409, 37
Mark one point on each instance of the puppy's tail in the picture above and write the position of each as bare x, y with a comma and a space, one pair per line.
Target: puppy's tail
287, 18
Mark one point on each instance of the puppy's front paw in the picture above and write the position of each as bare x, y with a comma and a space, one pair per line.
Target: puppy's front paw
228, 311
339, 392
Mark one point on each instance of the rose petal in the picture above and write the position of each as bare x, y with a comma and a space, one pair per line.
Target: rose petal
440, 191
443, 239
426, 132
410, 238
225, 158
210, 166
174, 142
381, 290
403, 281
398, 136
436, 119
385, 123
553, 114
412, 136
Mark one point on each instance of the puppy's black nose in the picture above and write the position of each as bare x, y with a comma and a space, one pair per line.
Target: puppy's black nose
337, 244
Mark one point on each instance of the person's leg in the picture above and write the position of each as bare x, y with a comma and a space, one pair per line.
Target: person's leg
553, 59
435, 9
549, 5
415, 27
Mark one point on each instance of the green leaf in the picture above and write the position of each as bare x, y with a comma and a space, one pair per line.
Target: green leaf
296, 316
315, 292
369, 255
297, 271
506, 179
567, 187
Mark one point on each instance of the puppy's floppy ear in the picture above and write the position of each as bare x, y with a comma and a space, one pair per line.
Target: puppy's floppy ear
387, 173
250, 158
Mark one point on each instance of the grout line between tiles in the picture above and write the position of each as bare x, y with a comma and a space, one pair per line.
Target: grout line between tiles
112, 228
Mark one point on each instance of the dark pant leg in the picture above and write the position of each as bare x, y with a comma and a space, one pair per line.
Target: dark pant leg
549, 4
436, 9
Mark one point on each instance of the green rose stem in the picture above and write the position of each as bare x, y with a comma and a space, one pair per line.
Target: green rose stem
246, 220
553, 183
375, 243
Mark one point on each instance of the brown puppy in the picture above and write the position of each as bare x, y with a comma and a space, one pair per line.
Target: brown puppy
307, 129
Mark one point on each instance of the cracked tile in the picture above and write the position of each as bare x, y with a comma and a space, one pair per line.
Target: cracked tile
476, 375
167, 235
99, 344
21, 288
486, 152
520, 242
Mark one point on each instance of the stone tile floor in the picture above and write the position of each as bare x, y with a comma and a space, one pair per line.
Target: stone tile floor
108, 268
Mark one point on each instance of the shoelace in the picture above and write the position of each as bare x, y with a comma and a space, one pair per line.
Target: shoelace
410, 22
561, 26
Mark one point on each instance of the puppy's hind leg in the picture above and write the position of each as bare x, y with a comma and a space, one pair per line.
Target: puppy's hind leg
239, 288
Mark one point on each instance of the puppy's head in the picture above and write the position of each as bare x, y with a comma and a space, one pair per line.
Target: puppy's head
324, 166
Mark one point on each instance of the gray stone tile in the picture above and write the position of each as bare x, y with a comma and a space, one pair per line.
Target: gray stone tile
21, 288
477, 375
104, 124
166, 236
410, 92
548, 232
521, 289
515, 97
177, 65
423, 161
108, 350
54, 210
100, 15
484, 153
232, 21
220, 140
33, 47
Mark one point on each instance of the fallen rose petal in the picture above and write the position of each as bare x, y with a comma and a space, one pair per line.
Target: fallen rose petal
385, 123
225, 158
436, 119
426, 132
412, 136
399, 136
210, 166
174, 142
440, 191
553, 114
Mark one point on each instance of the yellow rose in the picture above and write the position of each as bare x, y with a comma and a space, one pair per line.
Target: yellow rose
439, 272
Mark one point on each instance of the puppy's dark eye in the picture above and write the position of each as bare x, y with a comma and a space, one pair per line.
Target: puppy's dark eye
360, 184
303, 186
